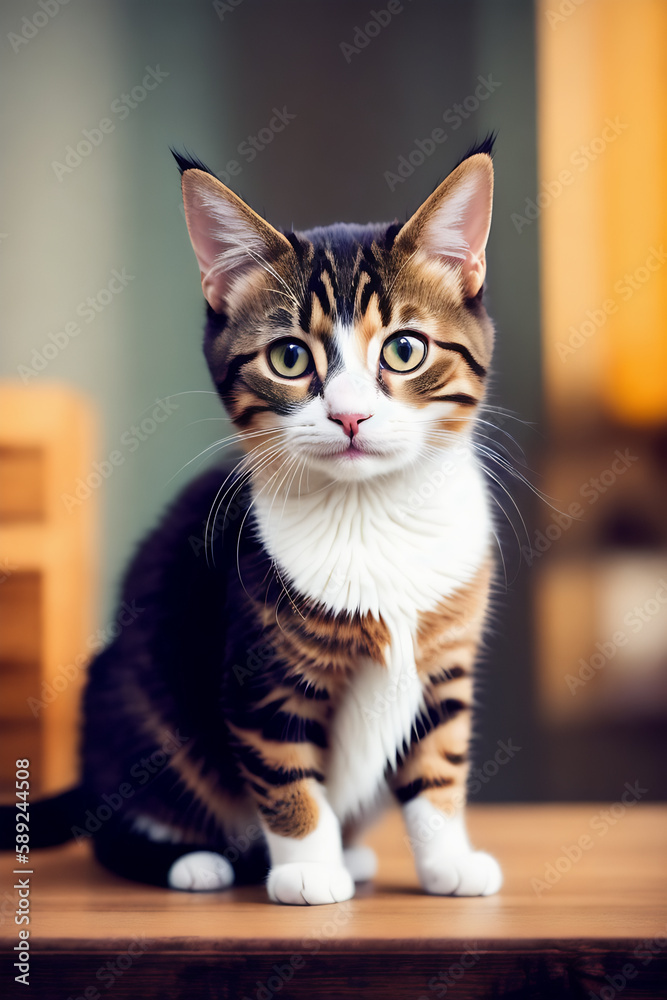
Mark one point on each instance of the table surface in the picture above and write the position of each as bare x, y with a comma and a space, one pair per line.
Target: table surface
613, 890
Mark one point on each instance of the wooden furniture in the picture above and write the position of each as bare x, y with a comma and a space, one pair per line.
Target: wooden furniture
600, 911
601, 668
47, 514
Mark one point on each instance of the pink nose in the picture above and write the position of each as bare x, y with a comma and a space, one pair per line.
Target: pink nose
349, 422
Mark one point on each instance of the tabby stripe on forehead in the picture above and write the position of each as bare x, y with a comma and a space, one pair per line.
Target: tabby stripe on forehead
317, 287
374, 287
305, 314
235, 365
329, 266
367, 266
465, 354
370, 287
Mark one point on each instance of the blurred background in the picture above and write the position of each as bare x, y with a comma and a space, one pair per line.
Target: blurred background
315, 113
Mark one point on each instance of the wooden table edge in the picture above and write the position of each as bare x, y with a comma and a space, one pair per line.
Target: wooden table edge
389, 946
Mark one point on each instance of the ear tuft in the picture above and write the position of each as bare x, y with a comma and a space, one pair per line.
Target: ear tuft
485, 145
187, 161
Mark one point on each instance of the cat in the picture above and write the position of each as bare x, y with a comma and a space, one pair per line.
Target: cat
308, 619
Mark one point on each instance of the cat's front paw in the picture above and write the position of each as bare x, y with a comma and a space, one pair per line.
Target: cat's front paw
307, 882
474, 873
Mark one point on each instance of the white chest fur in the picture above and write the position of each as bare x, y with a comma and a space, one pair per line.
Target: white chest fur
393, 547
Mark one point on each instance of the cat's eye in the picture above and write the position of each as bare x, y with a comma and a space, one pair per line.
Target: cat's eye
404, 352
290, 359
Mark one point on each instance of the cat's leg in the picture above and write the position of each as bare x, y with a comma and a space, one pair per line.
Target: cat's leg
147, 852
301, 829
307, 864
359, 859
430, 785
192, 870
155, 860
431, 782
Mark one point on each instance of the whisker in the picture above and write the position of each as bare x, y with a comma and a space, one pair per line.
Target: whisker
219, 500
245, 516
222, 442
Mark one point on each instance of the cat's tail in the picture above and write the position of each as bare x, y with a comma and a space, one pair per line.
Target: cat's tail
49, 822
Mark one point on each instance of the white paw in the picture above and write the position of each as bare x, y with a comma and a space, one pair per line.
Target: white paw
361, 862
201, 871
472, 874
301, 882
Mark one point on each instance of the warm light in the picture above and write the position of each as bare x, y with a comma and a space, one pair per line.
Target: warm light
602, 75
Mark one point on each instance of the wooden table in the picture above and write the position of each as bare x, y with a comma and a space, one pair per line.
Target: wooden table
591, 924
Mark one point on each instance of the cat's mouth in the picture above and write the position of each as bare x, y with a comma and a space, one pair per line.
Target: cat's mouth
353, 452
354, 461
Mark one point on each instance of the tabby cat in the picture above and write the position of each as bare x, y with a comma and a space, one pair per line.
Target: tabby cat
309, 618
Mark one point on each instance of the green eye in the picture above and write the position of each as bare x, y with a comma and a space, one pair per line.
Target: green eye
403, 352
290, 359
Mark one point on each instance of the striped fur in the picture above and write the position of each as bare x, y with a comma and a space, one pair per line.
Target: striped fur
322, 654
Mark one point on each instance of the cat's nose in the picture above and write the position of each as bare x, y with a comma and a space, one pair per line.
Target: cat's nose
349, 421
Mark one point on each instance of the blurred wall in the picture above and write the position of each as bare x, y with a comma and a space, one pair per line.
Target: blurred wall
105, 222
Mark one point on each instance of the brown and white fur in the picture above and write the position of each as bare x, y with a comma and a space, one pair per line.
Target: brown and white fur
369, 500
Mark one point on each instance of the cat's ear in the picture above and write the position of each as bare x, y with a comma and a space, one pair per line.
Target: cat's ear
228, 238
454, 221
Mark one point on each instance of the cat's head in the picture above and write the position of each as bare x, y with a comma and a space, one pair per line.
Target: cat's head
346, 349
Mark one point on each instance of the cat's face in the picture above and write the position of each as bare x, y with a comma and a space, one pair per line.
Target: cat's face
349, 351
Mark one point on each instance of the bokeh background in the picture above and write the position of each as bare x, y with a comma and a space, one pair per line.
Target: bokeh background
106, 401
